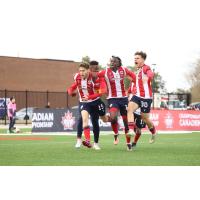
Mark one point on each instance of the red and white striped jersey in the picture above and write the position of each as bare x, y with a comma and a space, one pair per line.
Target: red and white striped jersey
143, 88
85, 87
115, 81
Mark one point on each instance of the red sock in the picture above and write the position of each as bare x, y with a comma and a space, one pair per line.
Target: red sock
136, 138
115, 127
128, 139
87, 133
153, 130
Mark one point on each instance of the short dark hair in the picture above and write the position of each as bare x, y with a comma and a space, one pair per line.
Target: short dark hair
94, 62
142, 54
11, 98
118, 58
84, 65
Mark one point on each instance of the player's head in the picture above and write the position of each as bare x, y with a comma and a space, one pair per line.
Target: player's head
140, 58
84, 70
12, 99
115, 62
94, 68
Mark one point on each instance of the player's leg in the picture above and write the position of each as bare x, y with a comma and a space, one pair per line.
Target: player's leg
79, 132
123, 111
136, 137
138, 129
86, 128
145, 110
113, 110
101, 108
150, 125
96, 130
11, 125
133, 105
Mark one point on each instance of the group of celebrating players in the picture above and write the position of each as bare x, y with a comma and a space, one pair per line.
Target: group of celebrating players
133, 107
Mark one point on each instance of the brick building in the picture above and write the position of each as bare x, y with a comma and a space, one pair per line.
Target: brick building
38, 76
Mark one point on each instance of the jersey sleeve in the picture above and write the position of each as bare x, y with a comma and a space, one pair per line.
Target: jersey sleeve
73, 87
130, 74
147, 70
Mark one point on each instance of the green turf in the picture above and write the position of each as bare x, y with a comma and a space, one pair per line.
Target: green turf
169, 150
22, 130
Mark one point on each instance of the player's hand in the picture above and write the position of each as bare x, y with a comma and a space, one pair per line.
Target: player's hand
85, 98
73, 94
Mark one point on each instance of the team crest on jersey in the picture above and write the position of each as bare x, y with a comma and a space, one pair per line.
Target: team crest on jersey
68, 121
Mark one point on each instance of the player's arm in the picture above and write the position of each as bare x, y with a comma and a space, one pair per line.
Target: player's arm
102, 82
147, 70
71, 90
100, 88
131, 75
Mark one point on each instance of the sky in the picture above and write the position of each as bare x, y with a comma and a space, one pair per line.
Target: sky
168, 31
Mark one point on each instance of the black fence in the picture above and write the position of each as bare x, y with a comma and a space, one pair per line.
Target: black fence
26, 100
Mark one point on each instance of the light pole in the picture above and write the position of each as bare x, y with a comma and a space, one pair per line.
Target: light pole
153, 83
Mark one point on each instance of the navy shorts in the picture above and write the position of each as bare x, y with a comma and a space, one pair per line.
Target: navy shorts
120, 103
144, 104
95, 107
138, 121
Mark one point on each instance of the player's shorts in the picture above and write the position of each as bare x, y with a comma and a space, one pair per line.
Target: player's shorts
138, 121
94, 107
120, 103
144, 104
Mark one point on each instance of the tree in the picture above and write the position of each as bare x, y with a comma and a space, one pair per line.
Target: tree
86, 59
158, 84
194, 80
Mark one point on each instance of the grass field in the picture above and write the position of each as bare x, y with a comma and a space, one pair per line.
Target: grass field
32, 150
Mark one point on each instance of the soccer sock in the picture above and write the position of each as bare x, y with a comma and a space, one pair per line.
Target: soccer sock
136, 138
96, 129
115, 127
128, 139
126, 129
79, 128
153, 130
87, 133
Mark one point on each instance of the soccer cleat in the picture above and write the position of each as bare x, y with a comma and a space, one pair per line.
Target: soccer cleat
153, 138
78, 143
11, 131
129, 147
133, 144
116, 139
96, 146
87, 144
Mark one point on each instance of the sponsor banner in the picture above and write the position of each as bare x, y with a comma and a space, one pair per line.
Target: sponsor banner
60, 120
65, 120
176, 120
53, 120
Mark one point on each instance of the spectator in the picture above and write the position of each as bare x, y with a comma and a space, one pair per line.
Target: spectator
11, 114
48, 105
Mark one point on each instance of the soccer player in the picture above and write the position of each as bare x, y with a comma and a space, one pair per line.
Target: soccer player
89, 100
11, 111
94, 69
139, 124
117, 99
142, 95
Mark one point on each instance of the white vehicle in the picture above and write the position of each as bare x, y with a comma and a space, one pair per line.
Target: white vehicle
23, 115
